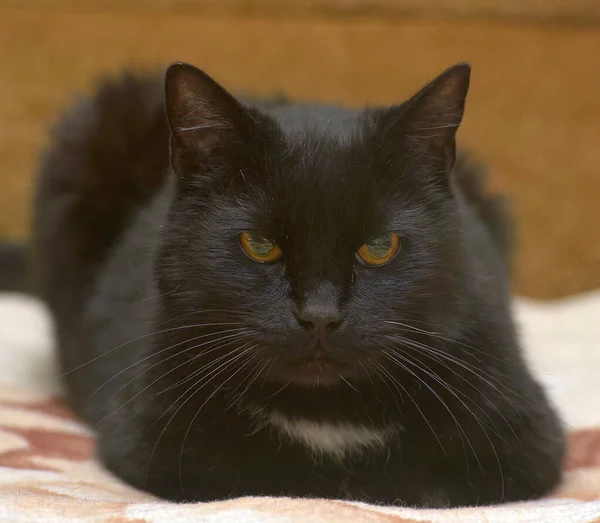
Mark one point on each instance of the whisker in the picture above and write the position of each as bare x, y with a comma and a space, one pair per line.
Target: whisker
248, 375
213, 374
443, 338
461, 431
435, 358
397, 384
256, 375
194, 419
455, 392
141, 338
150, 356
468, 367
366, 371
349, 384
442, 382
238, 314
200, 370
143, 300
179, 383
278, 390
221, 368
385, 381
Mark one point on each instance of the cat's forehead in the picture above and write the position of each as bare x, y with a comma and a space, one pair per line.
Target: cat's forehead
321, 179
321, 149
324, 187
298, 119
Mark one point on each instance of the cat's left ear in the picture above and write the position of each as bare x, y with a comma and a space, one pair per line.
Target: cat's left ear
434, 114
206, 121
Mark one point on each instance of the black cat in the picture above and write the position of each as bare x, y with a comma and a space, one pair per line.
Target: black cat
306, 300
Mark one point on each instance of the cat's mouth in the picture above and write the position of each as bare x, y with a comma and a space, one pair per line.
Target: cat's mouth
313, 371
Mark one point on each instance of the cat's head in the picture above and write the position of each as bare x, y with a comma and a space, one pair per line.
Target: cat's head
310, 239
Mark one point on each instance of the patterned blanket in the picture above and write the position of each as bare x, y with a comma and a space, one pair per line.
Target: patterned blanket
48, 472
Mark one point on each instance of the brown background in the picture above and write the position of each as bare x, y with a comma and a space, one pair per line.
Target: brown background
533, 114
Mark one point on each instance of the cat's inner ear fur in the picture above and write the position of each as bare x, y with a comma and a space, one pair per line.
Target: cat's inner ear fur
430, 119
203, 117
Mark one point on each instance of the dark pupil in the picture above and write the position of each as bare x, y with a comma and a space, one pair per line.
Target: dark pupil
261, 246
380, 247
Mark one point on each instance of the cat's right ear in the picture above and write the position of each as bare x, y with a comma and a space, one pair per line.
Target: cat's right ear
205, 120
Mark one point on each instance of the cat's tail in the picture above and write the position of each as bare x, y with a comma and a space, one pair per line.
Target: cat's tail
15, 273
493, 209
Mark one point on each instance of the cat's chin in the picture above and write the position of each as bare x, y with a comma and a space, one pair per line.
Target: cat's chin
309, 372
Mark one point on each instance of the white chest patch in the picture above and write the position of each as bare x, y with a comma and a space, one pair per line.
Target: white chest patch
337, 439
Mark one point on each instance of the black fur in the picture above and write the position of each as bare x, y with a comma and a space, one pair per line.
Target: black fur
15, 268
175, 343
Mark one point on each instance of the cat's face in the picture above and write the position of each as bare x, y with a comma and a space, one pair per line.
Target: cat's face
311, 247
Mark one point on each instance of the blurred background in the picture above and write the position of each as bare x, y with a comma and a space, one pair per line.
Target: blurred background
533, 114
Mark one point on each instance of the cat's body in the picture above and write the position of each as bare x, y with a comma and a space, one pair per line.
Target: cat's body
151, 292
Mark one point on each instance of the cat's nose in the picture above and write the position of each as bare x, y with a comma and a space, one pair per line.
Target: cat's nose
320, 319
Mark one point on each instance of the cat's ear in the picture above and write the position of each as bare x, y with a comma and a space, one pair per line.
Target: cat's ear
434, 114
205, 120
436, 111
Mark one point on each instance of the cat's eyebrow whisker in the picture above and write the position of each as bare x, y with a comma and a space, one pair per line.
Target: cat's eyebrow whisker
152, 355
143, 337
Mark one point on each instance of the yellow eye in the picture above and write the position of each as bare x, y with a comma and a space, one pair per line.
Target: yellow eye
259, 249
381, 250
